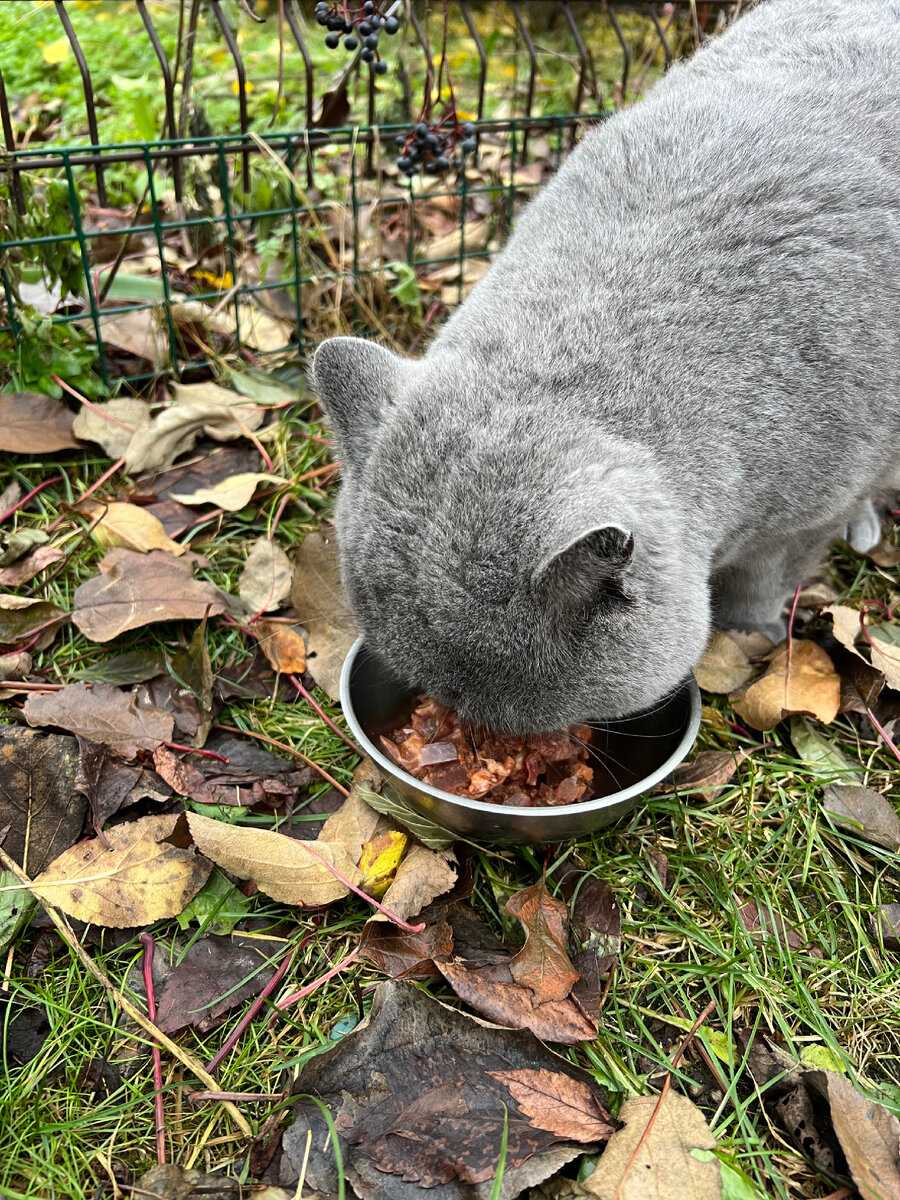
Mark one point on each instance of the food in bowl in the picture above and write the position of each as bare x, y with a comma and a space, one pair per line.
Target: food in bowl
540, 770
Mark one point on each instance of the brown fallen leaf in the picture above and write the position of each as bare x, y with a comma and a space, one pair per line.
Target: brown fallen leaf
864, 811
119, 524
21, 617
709, 772
134, 589
147, 870
26, 568
101, 714
265, 582
104, 779
40, 809
284, 868
31, 423
845, 624
562, 1105
723, 666
811, 686
421, 876
231, 494
762, 921
416, 1102
595, 936
868, 1133
198, 408
542, 965
214, 975
282, 645
322, 610
885, 926
641, 1162
403, 955
884, 646
112, 424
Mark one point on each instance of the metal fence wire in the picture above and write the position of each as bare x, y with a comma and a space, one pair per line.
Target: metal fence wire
259, 238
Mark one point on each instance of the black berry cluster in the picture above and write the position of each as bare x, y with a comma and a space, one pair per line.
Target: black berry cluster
357, 27
433, 148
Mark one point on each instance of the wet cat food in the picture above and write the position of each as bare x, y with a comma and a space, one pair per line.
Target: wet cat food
543, 769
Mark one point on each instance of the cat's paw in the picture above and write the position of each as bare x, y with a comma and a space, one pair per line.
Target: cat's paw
864, 528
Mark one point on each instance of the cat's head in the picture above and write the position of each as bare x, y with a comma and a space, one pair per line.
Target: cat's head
529, 574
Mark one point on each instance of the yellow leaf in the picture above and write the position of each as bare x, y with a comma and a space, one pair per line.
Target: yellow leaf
232, 494
56, 52
379, 861
138, 877
810, 686
131, 526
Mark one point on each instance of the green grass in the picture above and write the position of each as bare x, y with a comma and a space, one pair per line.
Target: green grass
763, 838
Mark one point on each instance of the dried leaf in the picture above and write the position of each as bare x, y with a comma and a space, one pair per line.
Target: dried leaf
723, 666
27, 568
388, 802
105, 780
200, 407
134, 589
886, 926
214, 975
421, 876
641, 1162
265, 582
31, 423
403, 955
101, 714
193, 667
142, 874
764, 922
868, 1133
885, 650
21, 616
562, 1105
415, 1099
127, 525
865, 812
283, 646
323, 610
351, 826
112, 424
542, 965
136, 666
709, 771
231, 494
17, 544
39, 806
811, 685
285, 869
845, 622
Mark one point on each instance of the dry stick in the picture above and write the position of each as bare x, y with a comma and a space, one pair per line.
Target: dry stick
662, 1095
90, 404
183, 1056
328, 721
193, 750
34, 491
271, 1097
233, 1038
261, 737
149, 947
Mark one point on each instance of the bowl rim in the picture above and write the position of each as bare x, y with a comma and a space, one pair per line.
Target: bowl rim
542, 812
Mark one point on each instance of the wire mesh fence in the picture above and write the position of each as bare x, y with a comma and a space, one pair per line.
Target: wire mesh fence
164, 255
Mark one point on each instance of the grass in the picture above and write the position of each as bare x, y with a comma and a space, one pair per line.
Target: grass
763, 838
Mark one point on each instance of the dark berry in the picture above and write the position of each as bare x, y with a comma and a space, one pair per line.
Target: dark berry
400, 139
391, 25
332, 41
368, 55
441, 163
468, 128
364, 28
402, 162
348, 27
322, 18
431, 168
433, 142
375, 22
371, 42
350, 43
422, 131
469, 145
369, 6
380, 68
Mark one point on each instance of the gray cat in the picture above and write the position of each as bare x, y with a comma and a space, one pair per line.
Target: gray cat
678, 383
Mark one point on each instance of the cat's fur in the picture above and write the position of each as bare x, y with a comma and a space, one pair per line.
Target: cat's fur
680, 380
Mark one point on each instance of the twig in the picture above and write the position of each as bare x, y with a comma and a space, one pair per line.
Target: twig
261, 737
149, 945
271, 1097
34, 491
311, 987
888, 741
688, 1037
328, 721
193, 750
235, 1035
91, 405
183, 1056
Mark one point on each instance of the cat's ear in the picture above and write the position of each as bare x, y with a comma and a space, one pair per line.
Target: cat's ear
586, 566
356, 382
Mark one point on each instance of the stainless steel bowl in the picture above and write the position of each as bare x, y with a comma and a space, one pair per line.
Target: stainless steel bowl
629, 756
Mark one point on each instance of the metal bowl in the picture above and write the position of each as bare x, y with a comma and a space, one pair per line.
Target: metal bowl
629, 757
